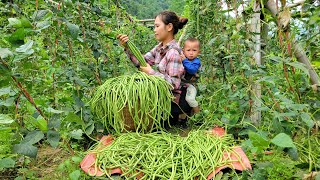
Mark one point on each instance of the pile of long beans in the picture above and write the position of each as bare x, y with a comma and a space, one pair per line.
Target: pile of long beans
148, 99
163, 155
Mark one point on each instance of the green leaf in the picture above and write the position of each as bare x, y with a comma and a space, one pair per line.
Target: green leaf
288, 114
54, 122
307, 119
42, 124
7, 163
78, 101
269, 79
74, 30
19, 178
14, 22
38, 15
293, 153
18, 35
26, 47
25, 23
5, 52
5, 119
5, 74
277, 59
4, 91
296, 107
68, 3
76, 159
53, 138
22, 56
42, 15
112, 35
25, 149
51, 110
258, 140
33, 137
74, 175
299, 65
42, 25
9, 102
71, 117
76, 134
89, 127
283, 140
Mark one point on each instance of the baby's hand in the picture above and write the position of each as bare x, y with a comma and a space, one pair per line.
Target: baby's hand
196, 75
182, 57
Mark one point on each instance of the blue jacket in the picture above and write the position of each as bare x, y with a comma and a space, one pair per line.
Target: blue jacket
191, 67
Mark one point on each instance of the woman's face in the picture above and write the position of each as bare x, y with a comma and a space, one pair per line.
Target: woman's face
161, 30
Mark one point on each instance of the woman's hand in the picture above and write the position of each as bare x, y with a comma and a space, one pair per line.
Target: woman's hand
146, 69
123, 39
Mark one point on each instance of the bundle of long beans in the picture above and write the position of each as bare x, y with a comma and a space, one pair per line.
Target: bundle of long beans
163, 155
135, 51
133, 48
148, 99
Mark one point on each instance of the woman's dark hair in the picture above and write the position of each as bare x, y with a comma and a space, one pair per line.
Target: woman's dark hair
171, 17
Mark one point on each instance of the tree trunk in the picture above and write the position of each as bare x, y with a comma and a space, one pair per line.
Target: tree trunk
302, 57
298, 51
256, 88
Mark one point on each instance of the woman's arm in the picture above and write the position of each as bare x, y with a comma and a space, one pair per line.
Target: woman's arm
173, 70
149, 57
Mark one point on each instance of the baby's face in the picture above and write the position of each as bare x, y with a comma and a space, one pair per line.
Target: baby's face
191, 49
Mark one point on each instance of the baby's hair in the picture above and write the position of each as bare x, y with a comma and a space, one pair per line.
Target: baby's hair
192, 39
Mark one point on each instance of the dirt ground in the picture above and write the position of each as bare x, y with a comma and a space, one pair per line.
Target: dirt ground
47, 162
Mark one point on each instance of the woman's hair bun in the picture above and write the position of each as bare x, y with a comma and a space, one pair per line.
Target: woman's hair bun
171, 17
182, 22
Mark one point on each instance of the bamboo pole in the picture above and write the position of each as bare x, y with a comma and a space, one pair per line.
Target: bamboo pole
256, 87
295, 4
182, 36
145, 20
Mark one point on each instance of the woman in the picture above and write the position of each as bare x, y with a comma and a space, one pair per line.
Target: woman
165, 56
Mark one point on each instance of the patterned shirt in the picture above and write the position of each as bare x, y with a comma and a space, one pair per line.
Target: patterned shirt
166, 59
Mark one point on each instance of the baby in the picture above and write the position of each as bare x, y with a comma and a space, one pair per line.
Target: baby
191, 63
